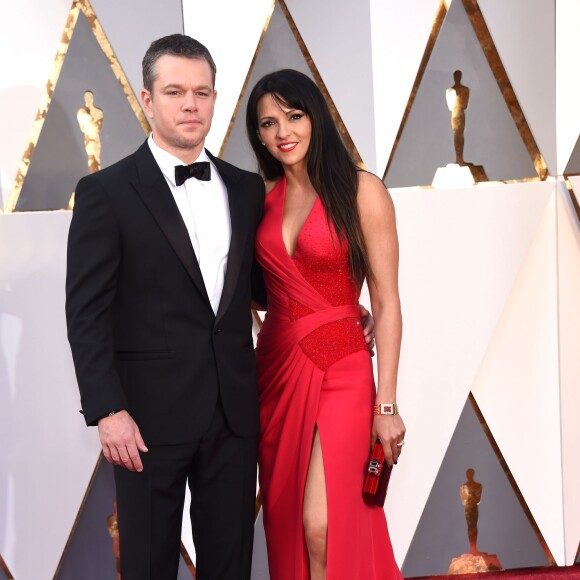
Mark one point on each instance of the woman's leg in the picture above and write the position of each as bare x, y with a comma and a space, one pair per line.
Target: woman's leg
315, 514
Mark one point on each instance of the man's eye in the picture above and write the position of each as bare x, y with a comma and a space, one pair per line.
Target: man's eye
202, 94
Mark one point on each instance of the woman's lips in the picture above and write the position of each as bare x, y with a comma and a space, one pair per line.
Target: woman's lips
287, 147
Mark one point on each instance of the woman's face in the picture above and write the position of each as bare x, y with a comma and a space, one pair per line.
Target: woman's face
284, 131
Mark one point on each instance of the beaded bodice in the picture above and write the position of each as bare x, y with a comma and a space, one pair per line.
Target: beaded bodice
321, 260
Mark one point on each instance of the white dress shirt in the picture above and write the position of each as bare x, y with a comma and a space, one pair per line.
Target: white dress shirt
205, 210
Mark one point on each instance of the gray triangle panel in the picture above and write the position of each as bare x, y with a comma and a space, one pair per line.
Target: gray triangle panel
491, 135
279, 50
89, 554
503, 528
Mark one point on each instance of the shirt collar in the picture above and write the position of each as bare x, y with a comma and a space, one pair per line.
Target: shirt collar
168, 161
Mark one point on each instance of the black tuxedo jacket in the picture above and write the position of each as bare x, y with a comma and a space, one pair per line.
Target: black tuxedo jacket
141, 328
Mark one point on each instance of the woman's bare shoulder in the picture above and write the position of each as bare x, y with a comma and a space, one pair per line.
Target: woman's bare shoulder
371, 190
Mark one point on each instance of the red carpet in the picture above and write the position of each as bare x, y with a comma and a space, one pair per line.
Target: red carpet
548, 573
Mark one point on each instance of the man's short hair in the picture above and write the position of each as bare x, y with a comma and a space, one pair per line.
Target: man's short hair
174, 45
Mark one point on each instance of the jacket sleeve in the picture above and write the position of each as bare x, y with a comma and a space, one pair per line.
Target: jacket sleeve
93, 258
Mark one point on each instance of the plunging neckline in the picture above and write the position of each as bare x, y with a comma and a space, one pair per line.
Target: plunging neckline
316, 200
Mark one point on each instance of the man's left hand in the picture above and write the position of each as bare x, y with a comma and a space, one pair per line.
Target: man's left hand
368, 323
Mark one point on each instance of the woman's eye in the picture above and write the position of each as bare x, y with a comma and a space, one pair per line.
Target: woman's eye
297, 116
266, 124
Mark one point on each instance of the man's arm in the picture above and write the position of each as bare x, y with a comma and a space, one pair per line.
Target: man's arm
93, 258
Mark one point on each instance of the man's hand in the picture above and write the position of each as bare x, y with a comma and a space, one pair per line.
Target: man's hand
368, 323
122, 441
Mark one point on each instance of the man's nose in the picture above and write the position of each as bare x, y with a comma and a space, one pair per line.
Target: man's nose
189, 101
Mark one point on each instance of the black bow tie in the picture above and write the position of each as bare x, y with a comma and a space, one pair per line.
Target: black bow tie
200, 170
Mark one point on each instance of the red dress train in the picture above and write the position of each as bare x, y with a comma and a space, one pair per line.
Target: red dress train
314, 369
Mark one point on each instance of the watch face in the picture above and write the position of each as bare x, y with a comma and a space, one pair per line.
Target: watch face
386, 409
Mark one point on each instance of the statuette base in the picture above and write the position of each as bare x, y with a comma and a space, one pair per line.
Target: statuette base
455, 175
473, 563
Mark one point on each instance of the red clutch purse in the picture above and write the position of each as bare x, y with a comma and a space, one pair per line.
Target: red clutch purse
377, 477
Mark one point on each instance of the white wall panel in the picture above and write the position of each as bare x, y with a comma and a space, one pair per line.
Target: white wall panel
517, 387
48, 454
567, 78
569, 323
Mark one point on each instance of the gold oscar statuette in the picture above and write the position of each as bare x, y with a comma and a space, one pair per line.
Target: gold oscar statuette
457, 102
90, 119
461, 173
113, 528
474, 561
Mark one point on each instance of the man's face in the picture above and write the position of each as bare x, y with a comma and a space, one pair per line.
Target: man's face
180, 105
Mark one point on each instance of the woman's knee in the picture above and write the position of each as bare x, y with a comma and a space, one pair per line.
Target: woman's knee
315, 532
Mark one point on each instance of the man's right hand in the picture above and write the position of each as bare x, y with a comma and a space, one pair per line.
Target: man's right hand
122, 441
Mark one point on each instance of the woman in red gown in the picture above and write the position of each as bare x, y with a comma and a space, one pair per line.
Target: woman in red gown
326, 227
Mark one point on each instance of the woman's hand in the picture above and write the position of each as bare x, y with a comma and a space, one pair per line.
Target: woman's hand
390, 429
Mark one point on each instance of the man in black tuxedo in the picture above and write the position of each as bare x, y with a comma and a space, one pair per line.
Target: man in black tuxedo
158, 311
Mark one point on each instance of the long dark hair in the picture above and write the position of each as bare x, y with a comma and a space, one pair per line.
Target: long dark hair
331, 169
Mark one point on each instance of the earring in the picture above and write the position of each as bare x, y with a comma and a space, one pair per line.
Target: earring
264, 144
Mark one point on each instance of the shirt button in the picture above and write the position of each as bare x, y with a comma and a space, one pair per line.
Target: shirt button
217, 330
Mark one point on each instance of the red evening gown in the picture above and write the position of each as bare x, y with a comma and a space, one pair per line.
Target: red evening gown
314, 370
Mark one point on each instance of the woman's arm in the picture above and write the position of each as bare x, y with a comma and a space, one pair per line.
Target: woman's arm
377, 216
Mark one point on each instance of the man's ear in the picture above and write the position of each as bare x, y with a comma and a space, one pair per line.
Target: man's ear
146, 99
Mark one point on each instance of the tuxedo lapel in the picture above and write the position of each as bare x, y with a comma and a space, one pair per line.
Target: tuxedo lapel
156, 195
239, 232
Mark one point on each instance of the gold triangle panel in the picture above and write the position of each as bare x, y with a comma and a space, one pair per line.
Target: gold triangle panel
66, 143
484, 36
573, 165
442, 532
4, 572
573, 197
494, 130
